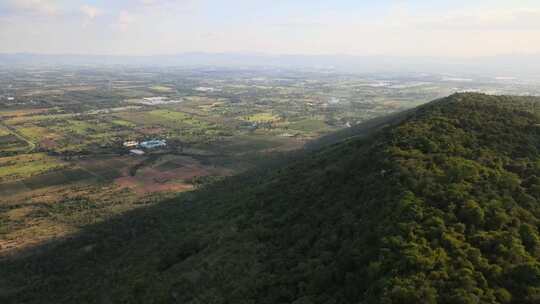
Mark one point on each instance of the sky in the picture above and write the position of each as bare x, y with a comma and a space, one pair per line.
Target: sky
435, 28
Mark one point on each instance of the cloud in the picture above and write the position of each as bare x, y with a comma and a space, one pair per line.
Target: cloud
167, 6
41, 7
148, 2
485, 20
168, 26
125, 20
156, 2
90, 12
150, 15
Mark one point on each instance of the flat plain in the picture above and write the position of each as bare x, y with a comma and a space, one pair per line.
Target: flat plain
63, 163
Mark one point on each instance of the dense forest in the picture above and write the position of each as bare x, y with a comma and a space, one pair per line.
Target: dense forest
441, 206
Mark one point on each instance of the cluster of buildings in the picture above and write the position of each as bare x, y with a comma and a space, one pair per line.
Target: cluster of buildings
152, 101
135, 146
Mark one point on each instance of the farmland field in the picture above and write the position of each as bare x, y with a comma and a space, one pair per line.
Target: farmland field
263, 117
309, 125
27, 165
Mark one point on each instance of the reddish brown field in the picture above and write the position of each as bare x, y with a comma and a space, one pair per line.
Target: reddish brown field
154, 179
142, 187
39, 215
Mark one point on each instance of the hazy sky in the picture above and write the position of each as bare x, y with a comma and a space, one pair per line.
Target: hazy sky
357, 27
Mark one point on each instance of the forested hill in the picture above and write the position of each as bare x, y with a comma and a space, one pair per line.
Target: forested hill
442, 207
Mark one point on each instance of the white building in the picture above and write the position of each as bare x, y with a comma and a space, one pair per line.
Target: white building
131, 144
154, 143
136, 152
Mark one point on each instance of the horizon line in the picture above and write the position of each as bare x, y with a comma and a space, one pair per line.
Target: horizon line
262, 54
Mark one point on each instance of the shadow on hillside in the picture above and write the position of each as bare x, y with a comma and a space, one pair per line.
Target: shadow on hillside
87, 233
143, 235
94, 251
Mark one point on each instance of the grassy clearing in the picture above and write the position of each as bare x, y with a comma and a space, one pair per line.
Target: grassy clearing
263, 117
23, 166
36, 133
78, 126
123, 123
309, 125
4, 131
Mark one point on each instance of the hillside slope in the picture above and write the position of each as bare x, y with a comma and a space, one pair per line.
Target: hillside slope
442, 207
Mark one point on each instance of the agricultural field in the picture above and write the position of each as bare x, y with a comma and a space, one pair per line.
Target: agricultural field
263, 117
10, 143
64, 165
23, 166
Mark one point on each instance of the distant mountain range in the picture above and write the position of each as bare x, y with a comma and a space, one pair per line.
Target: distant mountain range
504, 66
